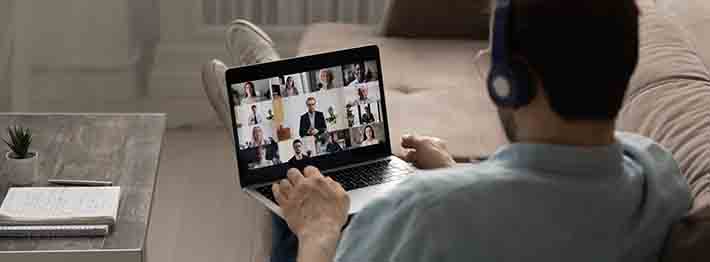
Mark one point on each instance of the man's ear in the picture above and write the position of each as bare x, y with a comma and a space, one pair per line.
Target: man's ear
482, 63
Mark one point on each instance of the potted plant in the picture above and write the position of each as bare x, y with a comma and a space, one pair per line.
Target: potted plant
21, 165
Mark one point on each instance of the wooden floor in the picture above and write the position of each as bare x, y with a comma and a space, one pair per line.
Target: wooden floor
194, 210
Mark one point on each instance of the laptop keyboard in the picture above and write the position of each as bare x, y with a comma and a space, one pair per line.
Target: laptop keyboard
360, 176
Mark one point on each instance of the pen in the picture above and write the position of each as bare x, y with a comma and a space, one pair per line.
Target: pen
74, 182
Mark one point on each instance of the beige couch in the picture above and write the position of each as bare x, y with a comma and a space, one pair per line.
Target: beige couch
433, 87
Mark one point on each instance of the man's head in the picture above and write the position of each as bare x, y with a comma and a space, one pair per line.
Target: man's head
580, 56
297, 146
253, 108
311, 104
359, 72
257, 134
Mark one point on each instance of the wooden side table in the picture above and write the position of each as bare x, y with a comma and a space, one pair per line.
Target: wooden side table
123, 148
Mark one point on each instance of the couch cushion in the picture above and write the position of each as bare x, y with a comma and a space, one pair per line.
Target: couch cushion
694, 17
431, 86
422, 19
668, 98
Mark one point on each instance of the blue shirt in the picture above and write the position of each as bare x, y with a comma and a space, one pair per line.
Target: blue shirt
529, 202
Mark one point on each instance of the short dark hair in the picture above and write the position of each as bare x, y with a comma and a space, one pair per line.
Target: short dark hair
296, 141
583, 52
253, 106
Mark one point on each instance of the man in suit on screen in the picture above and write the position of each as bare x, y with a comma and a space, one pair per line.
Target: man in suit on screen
312, 122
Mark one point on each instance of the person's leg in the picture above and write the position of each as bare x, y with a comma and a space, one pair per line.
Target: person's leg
248, 44
284, 245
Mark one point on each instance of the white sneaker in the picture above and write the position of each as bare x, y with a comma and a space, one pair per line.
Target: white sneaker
248, 44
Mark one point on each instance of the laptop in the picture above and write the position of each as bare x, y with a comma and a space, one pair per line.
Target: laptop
325, 110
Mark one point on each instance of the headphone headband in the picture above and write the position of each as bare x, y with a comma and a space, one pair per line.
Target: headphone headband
508, 80
501, 33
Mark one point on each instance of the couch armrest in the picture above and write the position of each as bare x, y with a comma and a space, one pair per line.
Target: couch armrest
448, 19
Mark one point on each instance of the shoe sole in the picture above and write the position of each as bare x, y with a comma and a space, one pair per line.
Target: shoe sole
252, 27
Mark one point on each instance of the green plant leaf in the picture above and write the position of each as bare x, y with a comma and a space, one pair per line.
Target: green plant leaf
20, 141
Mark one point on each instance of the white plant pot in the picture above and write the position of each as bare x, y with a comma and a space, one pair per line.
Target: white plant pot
21, 172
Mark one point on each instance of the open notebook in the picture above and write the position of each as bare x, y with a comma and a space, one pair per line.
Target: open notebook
27, 206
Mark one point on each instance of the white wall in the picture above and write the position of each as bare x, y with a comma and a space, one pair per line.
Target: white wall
5, 40
80, 55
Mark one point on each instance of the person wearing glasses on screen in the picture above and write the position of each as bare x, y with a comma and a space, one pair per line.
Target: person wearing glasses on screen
312, 122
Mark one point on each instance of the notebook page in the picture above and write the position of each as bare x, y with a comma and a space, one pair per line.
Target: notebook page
65, 205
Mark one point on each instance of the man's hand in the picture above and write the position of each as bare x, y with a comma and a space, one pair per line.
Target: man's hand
426, 152
312, 131
313, 205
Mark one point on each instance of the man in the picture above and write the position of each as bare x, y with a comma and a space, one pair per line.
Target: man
332, 146
312, 122
359, 75
261, 160
567, 188
298, 151
367, 117
254, 118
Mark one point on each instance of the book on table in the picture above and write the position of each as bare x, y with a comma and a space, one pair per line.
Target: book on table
59, 211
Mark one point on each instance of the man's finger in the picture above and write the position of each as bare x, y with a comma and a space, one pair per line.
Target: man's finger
410, 156
294, 176
310, 171
413, 141
280, 198
285, 188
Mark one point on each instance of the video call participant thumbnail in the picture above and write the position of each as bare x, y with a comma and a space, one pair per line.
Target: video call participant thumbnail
312, 122
359, 74
298, 152
257, 138
261, 160
255, 117
290, 89
332, 146
368, 136
368, 116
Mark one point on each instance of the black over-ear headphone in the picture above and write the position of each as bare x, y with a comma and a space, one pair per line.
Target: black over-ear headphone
509, 81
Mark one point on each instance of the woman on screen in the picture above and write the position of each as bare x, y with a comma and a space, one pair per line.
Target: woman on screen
257, 138
291, 89
368, 137
249, 93
326, 79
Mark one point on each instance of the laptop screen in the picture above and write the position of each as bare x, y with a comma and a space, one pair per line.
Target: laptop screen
293, 118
